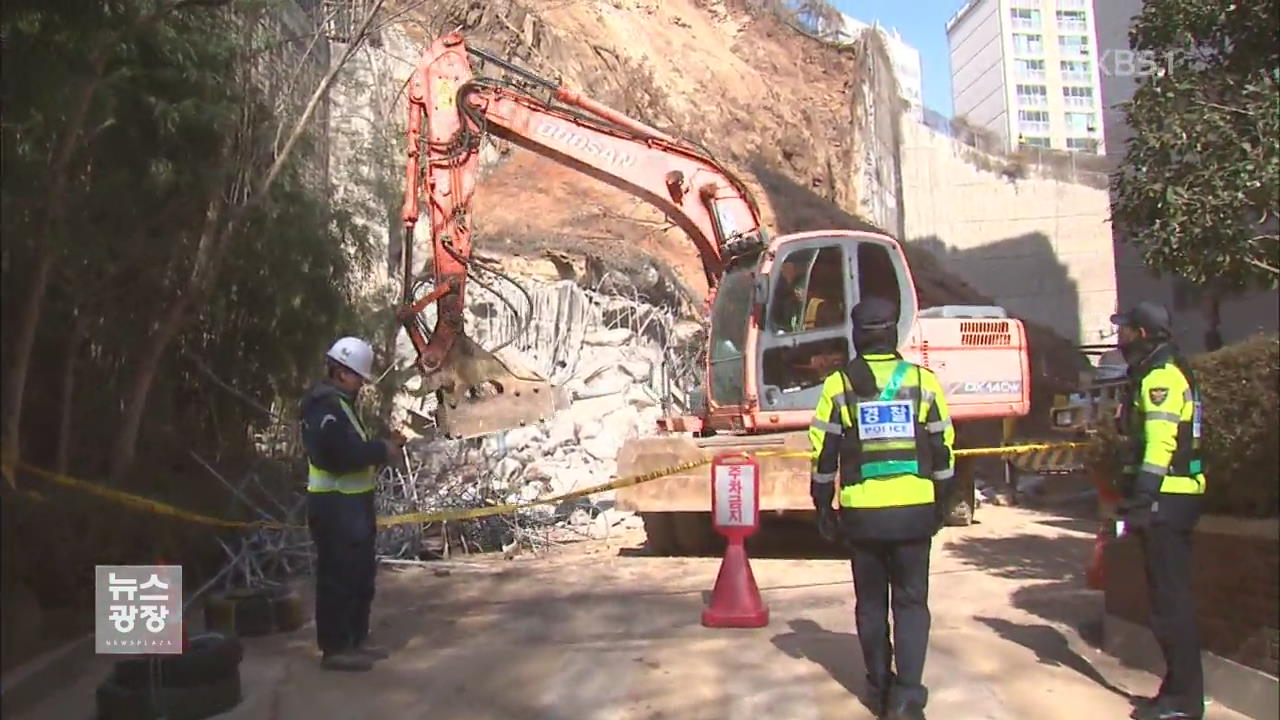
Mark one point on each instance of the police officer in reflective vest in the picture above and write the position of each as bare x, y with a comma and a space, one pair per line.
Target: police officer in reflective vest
1164, 482
342, 468
883, 423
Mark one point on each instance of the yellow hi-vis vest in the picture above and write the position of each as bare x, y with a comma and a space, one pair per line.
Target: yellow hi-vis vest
885, 460
360, 481
1165, 430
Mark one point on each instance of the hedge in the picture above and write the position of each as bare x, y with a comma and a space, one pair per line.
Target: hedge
1239, 387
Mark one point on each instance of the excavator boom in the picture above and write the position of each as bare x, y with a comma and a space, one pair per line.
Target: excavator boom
450, 112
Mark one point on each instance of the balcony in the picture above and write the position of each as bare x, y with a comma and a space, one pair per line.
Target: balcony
1033, 101
1033, 128
1076, 102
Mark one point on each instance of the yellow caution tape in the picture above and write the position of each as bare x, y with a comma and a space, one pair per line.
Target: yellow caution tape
156, 507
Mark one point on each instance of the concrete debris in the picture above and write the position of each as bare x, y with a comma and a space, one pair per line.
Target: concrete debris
621, 359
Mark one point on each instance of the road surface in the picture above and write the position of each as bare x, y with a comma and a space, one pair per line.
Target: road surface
599, 631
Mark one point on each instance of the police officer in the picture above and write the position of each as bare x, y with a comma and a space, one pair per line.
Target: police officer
883, 422
1165, 482
343, 461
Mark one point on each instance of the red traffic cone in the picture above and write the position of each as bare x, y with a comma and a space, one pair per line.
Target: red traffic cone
735, 601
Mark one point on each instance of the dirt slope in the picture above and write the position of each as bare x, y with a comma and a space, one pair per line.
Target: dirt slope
762, 97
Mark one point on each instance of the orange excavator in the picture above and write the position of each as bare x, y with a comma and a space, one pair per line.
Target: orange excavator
778, 307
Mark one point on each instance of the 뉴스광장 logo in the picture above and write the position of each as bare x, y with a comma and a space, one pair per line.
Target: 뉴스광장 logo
138, 609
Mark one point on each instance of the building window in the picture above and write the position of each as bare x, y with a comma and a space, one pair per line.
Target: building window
1024, 44
1072, 21
1073, 4
1025, 19
1090, 144
1077, 97
1076, 71
1029, 69
1073, 45
1080, 123
1033, 96
1040, 142
1033, 122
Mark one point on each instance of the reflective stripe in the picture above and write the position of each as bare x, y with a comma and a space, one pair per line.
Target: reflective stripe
1164, 417
884, 468
825, 478
825, 426
1154, 469
938, 426
945, 474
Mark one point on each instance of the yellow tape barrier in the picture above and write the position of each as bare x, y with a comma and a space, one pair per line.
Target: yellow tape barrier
159, 508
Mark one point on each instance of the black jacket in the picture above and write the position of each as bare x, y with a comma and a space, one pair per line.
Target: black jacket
332, 442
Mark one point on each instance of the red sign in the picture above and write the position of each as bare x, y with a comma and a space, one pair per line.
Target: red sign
735, 493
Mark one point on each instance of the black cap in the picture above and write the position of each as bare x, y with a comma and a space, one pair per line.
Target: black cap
874, 314
1149, 316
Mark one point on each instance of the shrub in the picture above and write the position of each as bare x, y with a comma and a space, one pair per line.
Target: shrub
1238, 385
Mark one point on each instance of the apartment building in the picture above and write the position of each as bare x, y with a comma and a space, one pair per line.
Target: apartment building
1029, 71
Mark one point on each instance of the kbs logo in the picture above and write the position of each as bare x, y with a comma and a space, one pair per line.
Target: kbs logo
578, 141
985, 387
1119, 62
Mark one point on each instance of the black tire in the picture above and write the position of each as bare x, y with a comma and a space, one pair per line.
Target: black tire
659, 530
256, 611
192, 702
210, 657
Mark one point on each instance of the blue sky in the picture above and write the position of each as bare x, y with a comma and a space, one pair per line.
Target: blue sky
922, 24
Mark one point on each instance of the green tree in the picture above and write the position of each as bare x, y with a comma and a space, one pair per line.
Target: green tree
1199, 189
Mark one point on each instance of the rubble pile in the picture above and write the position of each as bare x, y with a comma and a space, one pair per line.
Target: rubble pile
624, 363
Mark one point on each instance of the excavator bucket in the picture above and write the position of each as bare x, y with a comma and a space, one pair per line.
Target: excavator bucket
480, 394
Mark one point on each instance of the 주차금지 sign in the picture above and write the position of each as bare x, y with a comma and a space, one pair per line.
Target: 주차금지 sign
735, 492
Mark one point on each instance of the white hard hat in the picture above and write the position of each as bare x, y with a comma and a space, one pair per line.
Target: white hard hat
354, 354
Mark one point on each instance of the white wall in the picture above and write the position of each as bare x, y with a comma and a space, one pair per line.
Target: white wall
1040, 247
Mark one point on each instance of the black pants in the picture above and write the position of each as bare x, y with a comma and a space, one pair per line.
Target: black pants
343, 529
904, 567
1173, 616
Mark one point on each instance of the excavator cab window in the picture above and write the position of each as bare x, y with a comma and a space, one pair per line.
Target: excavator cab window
806, 334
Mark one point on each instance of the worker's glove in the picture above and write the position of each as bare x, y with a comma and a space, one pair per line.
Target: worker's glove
823, 493
829, 524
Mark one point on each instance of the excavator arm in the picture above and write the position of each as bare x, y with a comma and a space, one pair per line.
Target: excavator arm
450, 112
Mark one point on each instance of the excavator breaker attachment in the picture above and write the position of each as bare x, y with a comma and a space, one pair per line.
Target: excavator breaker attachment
480, 395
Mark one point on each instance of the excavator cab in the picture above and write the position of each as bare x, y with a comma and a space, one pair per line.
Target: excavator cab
780, 322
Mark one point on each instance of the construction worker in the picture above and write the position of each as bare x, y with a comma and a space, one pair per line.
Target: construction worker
883, 424
1164, 484
343, 461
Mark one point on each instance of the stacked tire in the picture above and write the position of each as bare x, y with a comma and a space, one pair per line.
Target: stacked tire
201, 682
250, 612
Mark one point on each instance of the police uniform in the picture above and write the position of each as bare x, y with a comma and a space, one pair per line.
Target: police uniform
1165, 482
341, 472
882, 425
